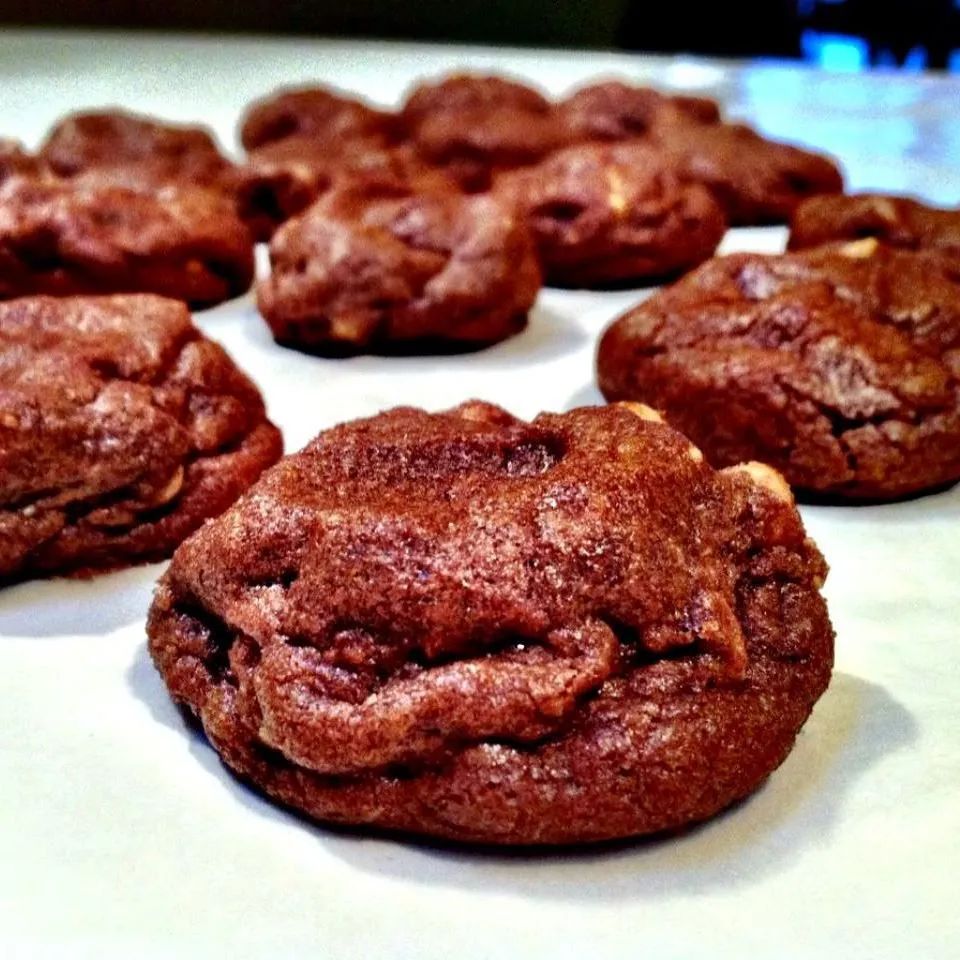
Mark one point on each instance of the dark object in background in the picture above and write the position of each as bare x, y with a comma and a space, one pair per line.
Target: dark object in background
774, 28
574, 23
750, 28
894, 28
745, 29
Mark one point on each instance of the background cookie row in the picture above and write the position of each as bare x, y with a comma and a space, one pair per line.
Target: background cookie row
613, 185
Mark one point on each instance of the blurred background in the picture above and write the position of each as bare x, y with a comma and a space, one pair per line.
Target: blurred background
836, 34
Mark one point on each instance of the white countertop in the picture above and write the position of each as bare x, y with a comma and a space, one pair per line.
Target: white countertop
122, 836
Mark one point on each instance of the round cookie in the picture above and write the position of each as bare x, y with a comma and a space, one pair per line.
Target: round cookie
474, 126
614, 110
701, 109
378, 268
757, 181
284, 177
472, 627
138, 149
121, 429
839, 366
320, 113
82, 236
458, 92
897, 221
613, 214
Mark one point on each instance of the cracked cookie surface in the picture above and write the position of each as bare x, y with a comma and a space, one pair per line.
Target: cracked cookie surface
78, 236
121, 429
376, 267
611, 214
839, 366
470, 626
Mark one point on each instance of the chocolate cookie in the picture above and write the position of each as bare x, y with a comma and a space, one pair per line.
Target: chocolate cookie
614, 110
473, 627
897, 221
121, 429
608, 214
320, 113
72, 237
839, 366
139, 150
282, 178
474, 126
758, 181
701, 109
378, 268
16, 161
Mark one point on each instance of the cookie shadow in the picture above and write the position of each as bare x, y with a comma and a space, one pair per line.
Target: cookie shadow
855, 725
144, 681
67, 606
550, 332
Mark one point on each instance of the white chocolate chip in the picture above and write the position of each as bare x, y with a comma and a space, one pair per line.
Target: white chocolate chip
765, 476
170, 489
641, 410
350, 327
886, 210
616, 197
860, 249
695, 454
